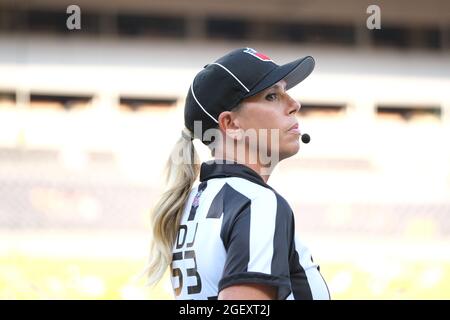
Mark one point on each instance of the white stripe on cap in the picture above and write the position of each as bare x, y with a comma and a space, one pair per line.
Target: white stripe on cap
237, 79
193, 94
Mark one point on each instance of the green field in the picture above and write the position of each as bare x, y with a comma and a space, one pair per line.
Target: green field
75, 278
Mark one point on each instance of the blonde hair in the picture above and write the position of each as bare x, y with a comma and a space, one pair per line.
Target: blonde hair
166, 214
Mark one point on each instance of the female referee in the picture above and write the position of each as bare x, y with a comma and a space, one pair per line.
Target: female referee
231, 235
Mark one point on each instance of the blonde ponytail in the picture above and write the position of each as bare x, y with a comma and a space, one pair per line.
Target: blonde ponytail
182, 171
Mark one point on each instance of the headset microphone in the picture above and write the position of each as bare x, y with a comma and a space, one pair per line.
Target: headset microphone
306, 138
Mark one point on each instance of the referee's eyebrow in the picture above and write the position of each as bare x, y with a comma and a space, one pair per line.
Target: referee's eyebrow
279, 86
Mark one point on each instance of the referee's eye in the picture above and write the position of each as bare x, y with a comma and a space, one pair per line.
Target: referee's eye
271, 97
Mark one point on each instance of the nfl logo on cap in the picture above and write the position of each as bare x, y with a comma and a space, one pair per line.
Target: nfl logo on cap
257, 54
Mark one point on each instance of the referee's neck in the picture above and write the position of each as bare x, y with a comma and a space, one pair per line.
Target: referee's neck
263, 170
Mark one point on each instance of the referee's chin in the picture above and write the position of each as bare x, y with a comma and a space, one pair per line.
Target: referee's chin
289, 149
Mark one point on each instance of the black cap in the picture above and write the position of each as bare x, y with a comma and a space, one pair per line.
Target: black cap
240, 74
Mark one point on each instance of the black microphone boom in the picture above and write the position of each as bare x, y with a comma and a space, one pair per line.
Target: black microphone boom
306, 138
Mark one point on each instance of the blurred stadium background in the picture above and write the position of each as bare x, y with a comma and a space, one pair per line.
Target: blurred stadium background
87, 118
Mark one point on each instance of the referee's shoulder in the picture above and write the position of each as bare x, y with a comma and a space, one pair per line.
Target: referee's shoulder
250, 189
266, 196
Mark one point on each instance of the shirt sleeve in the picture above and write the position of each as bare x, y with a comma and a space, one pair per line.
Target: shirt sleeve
258, 241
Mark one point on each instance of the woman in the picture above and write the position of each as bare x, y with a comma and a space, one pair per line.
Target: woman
231, 236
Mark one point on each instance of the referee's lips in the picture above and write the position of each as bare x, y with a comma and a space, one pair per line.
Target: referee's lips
294, 129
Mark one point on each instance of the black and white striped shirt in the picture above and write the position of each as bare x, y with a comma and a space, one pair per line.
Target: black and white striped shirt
236, 229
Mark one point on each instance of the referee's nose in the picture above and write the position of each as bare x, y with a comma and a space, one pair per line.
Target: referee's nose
294, 106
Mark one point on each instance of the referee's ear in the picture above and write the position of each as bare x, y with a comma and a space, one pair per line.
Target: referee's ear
229, 125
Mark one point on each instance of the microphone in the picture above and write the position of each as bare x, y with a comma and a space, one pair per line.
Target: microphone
306, 138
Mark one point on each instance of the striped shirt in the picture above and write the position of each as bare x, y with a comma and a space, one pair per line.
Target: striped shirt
236, 229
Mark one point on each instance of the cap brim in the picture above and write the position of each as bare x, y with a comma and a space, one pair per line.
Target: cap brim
293, 73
